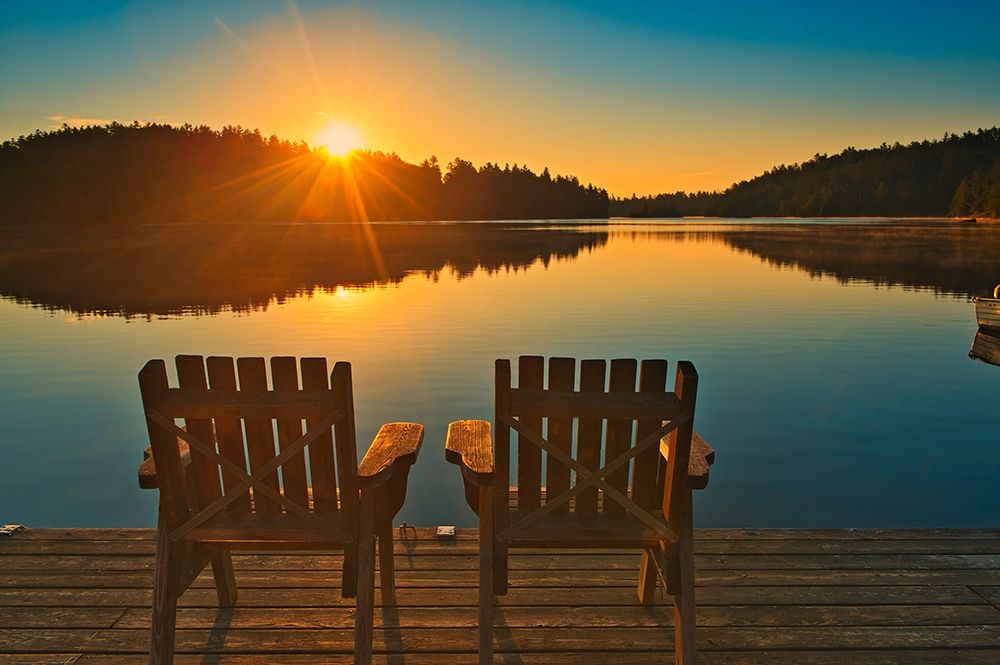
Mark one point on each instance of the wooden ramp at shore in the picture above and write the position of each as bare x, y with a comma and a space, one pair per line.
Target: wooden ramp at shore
772, 596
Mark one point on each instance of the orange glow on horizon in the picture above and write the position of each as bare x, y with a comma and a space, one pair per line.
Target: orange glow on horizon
338, 139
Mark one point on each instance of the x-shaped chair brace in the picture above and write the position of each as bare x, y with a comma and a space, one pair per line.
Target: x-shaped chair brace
585, 477
256, 479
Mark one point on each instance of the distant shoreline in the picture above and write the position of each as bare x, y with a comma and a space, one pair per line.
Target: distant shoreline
930, 220
874, 218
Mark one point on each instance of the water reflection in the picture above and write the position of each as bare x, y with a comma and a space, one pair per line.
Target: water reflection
986, 347
812, 387
955, 259
209, 268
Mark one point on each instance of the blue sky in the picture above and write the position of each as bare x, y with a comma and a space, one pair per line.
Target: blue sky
632, 95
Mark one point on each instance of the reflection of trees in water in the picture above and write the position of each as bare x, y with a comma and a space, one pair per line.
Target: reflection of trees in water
960, 259
206, 269
210, 268
948, 258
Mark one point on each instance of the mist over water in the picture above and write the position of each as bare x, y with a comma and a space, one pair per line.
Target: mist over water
835, 382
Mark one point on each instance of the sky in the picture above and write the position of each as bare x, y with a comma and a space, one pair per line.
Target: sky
635, 97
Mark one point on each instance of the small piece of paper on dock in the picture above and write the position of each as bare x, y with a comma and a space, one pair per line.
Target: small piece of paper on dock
446, 532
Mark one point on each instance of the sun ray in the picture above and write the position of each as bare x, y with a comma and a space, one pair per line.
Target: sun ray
361, 214
393, 186
307, 49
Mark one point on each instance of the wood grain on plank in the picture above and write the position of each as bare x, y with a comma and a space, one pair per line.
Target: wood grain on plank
530, 376
470, 444
285, 377
228, 431
590, 433
621, 386
562, 376
395, 445
260, 435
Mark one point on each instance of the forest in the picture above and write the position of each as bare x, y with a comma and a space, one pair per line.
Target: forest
956, 176
157, 173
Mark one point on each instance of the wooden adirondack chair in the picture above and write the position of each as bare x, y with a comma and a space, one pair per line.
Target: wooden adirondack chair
202, 520
603, 509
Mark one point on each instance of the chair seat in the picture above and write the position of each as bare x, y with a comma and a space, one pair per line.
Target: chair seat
267, 531
571, 529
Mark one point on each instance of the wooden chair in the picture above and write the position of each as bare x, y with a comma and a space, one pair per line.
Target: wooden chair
202, 520
648, 508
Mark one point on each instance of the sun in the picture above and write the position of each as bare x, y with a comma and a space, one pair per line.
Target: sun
337, 139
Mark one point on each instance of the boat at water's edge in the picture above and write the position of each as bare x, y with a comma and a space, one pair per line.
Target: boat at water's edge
988, 311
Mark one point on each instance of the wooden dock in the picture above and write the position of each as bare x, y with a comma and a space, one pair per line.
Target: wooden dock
771, 596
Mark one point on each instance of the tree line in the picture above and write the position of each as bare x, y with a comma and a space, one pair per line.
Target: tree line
129, 173
958, 175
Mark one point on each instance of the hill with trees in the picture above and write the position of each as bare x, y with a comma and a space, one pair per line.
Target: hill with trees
124, 174
956, 176
141, 173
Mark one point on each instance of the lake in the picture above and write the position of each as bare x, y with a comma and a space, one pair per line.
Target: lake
835, 380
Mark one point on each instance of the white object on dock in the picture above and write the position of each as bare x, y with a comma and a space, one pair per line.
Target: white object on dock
446, 532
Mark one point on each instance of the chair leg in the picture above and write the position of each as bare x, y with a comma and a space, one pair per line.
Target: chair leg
365, 604
500, 568
349, 577
225, 579
684, 607
647, 578
386, 562
487, 598
166, 589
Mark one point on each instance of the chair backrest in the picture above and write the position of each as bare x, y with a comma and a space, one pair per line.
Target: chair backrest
230, 416
612, 413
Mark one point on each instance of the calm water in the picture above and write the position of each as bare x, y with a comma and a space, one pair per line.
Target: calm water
835, 382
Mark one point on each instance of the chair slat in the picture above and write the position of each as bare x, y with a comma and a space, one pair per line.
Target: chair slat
153, 387
676, 493
191, 376
590, 430
530, 375
322, 466
346, 443
562, 376
260, 435
228, 431
617, 406
285, 377
206, 404
619, 438
645, 467
501, 491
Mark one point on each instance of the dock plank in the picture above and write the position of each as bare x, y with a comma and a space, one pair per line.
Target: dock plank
857, 657
462, 640
777, 596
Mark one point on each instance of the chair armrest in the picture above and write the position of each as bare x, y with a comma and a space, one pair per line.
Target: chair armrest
147, 470
470, 446
395, 447
702, 457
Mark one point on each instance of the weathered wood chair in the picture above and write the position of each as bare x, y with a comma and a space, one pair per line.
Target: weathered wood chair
202, 520
602, 509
